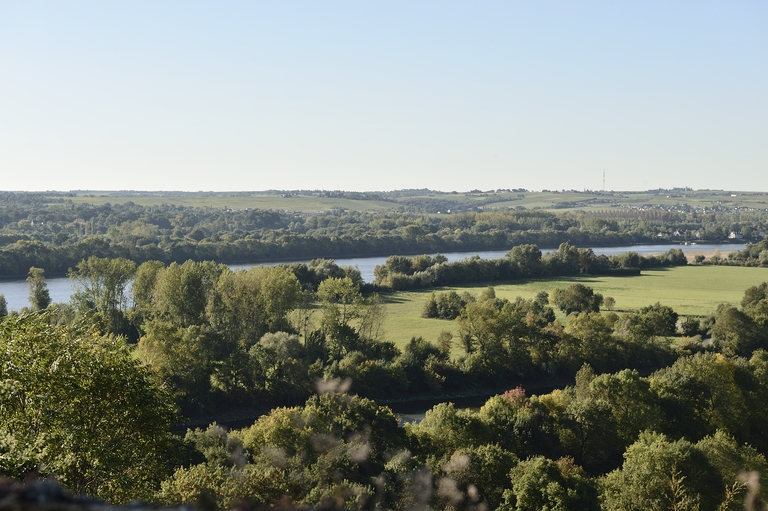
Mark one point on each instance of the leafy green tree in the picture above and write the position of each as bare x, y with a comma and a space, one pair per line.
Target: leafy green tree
143, 290
691, 326
589, 434
450, 304
216, 445
758, 394
732, 462
634, 406
235, 308
528, 260
369, 377
342, 304
420, 360
321, 269
445, 429
594, 341
653, 320
280, 367
184, 357
243, 305
521, 425
227, 475
676, 257
542, 484
481, 473
216, 486
181, 292
39, 297
370, 324
576, 298
398, 264
700, 394
332, 447
100, 285
3, 307
754, 295
279, 293
424, 261
659, 474
735, 332
602, 415
199, 338
82, 409
495, 335
340, 295
630, 260
563, 262
430, 307
499, 418
446, 305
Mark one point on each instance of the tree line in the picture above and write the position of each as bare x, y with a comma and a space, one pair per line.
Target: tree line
400, 273
55, 233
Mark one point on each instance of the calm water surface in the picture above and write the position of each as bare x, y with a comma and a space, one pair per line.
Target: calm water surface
17, 293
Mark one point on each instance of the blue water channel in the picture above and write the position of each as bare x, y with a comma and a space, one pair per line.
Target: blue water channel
16, 292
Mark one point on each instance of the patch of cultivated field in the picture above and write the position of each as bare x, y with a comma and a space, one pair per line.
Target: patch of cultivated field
689, 290
530, 200
304, 204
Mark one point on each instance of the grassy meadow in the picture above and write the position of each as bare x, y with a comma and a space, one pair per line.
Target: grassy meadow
689, 290
549, 200
302, 204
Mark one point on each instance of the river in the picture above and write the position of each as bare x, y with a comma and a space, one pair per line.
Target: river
16, 292
414, 411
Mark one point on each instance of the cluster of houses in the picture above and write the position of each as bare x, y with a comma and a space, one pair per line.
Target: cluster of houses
682, 234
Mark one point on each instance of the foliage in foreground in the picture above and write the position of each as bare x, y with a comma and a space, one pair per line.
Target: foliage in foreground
613, 442
77, 406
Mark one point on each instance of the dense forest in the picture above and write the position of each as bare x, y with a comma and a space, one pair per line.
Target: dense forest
654, 410
196, 339
226, 338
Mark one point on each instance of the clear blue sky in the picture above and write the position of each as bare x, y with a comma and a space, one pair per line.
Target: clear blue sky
381, 95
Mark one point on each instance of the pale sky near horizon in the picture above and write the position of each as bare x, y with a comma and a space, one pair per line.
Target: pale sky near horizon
373, 95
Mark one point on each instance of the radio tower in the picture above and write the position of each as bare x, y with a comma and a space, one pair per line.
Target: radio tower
603, 179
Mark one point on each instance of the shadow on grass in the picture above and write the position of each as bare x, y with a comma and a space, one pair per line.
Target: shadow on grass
655, 270
394, 298
589, 279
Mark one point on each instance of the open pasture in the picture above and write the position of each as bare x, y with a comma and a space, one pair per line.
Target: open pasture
301, 204
689, 290
549, 200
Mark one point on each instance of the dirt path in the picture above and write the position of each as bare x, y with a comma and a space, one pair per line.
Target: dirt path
691, 253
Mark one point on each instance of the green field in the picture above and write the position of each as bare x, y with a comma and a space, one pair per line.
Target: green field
303, 204
550, 200
689, 290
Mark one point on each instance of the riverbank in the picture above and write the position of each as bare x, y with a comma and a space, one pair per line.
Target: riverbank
690, 255
16, 292
408, 406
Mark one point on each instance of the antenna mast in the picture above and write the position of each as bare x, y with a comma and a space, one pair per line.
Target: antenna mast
603, 179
